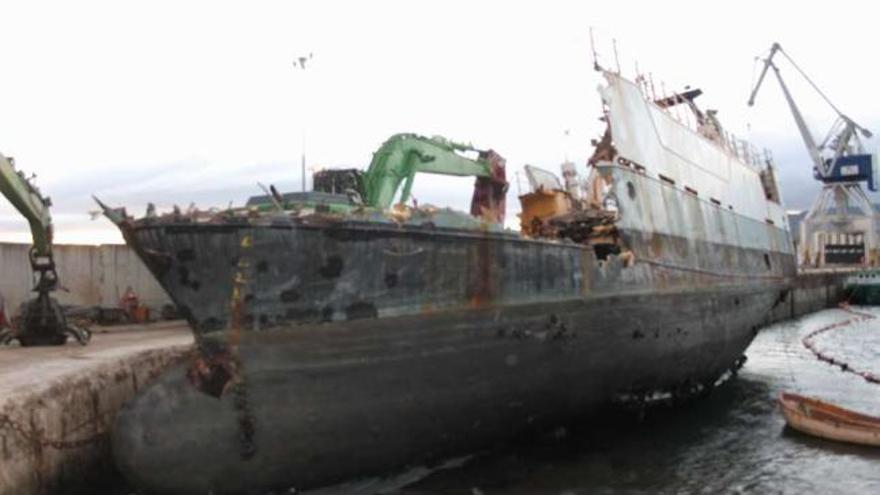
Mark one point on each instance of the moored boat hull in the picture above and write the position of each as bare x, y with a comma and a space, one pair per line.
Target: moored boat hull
863, 288
821, 419
317, 404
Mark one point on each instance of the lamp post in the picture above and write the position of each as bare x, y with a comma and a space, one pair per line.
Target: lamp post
299, 63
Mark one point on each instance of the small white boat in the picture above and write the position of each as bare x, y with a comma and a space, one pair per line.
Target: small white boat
821, 419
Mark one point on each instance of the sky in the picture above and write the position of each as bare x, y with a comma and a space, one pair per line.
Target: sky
181, 102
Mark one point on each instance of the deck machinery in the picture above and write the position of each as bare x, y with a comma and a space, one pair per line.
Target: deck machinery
841, 227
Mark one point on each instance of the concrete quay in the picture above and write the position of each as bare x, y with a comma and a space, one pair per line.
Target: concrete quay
813, 290
57, 404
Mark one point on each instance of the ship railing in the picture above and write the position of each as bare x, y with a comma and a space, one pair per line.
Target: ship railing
609, 55
746, 152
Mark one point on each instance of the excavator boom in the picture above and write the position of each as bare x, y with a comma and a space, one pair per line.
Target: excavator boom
403, 156
26, 198
42, 320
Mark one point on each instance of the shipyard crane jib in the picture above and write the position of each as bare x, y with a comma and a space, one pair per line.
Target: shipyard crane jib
841, 227
840, 157
42, 320
812, 149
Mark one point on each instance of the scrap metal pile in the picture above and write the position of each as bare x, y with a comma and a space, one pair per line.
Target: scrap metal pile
572, 212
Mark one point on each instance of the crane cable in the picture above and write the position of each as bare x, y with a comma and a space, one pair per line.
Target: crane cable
866, 133
804, 74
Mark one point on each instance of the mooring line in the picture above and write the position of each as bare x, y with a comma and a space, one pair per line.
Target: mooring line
858, 316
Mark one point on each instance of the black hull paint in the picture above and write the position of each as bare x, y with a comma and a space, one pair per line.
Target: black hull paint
332, 402
294, 273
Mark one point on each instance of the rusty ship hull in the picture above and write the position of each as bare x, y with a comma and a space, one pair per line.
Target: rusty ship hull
462, 360
367, 411
333, 347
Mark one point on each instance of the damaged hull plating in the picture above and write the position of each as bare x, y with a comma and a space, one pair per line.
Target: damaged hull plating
331, 347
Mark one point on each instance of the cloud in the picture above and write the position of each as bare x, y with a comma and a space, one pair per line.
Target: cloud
197, 101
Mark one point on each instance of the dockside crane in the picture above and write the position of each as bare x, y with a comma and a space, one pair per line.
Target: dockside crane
841, 227
42, 320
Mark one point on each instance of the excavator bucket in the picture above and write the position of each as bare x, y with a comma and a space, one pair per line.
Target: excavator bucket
43, 323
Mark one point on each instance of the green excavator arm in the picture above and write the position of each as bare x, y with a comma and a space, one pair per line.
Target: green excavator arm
26, 198
42, 320
402, 156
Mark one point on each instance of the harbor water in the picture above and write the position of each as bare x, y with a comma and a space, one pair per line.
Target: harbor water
733, 441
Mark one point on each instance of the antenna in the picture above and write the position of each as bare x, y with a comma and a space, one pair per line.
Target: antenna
640, 81
596, 65
299, 63
616, 58
567, 134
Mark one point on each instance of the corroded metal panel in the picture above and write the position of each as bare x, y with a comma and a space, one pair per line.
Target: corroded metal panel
337, 401
652, 205
646, 135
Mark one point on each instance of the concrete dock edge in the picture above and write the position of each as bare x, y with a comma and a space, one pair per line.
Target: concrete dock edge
811, 292
58, 404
